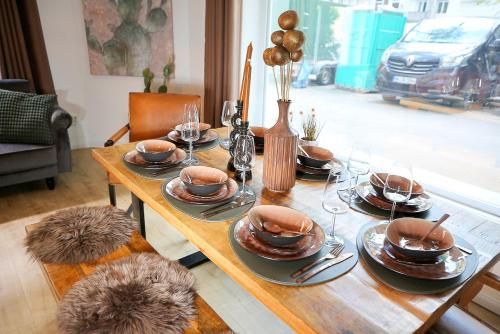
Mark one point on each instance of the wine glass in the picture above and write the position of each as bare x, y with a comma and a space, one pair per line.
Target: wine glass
398, 185
244, 158
358, 164
190, 130
336, 183
228, 110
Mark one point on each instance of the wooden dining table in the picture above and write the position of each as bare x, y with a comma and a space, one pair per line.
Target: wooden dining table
356, 302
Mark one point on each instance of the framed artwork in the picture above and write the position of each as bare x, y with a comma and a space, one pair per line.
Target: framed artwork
126, 36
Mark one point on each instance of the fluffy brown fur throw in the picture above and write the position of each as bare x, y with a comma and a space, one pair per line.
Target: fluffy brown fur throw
80, 234
143, 293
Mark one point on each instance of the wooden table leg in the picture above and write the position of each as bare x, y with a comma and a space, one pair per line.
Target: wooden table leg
138, 209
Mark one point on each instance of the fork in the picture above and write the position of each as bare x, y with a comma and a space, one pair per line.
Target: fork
331, 255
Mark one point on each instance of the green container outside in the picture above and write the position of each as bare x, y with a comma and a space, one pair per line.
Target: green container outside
371, 34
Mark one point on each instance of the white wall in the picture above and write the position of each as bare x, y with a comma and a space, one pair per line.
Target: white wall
100, 103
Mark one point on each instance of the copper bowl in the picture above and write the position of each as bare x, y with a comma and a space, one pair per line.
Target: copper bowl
155, 150
258, 135
202, 180
204, 127
400, 230
278, 226
317, 158
378, 185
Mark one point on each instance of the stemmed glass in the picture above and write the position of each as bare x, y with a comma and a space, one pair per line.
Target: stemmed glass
244, 158
358, 164
190, 130
336, 183
398, 185
228, 110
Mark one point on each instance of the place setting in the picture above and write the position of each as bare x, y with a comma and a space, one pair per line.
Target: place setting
380, 194
192, 134
415, 255
315, 163
285, 246
208, 193
155, 159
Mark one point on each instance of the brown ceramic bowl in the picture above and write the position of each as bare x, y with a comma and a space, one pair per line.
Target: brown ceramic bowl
278, 225
155, 150
258, 135
204, 127
318, 156
202, 180
400, 230
378, 185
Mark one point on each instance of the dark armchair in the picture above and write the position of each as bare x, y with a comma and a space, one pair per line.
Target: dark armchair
28, 162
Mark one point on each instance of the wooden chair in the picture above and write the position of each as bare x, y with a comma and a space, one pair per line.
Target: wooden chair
151, 115
457, 321
62, 277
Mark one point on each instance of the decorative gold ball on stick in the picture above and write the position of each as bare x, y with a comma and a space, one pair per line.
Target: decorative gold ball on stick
267, 55
293, 40
277, 37
280, 56
296, 56
288, 20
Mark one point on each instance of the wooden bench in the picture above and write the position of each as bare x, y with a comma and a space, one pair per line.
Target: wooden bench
62, 277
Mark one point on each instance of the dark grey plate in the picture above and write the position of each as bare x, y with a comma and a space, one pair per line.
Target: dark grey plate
279, 271
194, 210
416, 285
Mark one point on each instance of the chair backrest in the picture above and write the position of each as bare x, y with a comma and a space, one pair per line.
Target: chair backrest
153, 115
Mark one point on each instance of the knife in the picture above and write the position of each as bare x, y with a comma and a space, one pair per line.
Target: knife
327, 265
227, 207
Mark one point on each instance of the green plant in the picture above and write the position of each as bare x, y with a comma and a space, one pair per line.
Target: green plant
311, 126
148, 79
166, 73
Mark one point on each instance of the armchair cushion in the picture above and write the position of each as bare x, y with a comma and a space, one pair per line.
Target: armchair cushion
26, 118
22, 157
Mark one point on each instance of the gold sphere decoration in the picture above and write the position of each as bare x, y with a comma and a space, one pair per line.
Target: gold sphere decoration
293, 40
267, 55
277, 37
296, 56
280, 56
288, 20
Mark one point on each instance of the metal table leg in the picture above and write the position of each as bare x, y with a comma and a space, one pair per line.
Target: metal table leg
138, 209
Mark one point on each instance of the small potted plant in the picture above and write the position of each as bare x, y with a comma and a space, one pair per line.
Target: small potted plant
311, 128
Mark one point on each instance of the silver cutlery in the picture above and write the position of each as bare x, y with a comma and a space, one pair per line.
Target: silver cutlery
162, 171
327, 265
463, 249
331, 255
225, 207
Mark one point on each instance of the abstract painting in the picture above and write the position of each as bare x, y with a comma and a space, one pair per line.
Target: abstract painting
126, 36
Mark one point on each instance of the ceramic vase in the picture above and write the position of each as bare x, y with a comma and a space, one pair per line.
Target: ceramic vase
280, 153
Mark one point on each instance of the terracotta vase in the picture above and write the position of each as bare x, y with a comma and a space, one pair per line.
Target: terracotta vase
280, 153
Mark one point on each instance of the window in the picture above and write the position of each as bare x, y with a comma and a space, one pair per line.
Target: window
442, 7
422, 6
456, 155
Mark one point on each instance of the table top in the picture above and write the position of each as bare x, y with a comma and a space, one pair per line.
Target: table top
356, 302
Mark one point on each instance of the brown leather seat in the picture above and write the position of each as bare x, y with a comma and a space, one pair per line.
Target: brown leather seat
153, 115
456, 321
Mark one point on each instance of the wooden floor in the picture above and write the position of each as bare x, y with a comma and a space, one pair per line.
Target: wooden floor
26, 303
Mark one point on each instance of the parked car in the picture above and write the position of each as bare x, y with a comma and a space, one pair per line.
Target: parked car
323, 72
443, 57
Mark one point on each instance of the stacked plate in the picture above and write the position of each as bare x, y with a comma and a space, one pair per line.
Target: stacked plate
207, 135
372, 192
279, 233
388, 245
315, 163
148, 155
201, 185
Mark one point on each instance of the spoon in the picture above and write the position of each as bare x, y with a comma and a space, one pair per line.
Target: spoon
436, 224
304, 151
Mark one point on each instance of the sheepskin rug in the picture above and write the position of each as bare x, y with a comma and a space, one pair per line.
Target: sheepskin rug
80, 234
143, 293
